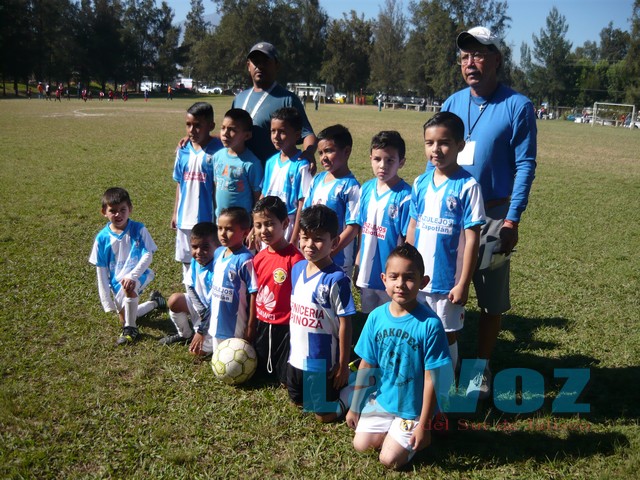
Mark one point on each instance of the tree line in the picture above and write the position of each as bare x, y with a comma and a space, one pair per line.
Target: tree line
117, 41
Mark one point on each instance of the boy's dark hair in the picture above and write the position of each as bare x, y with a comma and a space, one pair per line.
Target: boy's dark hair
204, 230
389, 138
240, 116
290, 116
448, 120
238, 215
202, 110
319, 219
408, 252
339, 134
272, 204
116, 196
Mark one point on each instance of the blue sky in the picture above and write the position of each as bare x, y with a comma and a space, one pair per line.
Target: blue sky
586, 18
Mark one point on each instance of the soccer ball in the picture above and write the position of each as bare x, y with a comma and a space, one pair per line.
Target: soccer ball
234, 361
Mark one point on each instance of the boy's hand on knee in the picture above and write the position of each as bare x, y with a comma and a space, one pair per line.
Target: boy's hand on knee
421, 438
352, 419
128, 284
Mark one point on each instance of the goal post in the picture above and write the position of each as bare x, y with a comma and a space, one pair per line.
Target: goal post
613, 113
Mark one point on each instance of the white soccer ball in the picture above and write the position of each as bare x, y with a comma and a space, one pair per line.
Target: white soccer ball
234, 361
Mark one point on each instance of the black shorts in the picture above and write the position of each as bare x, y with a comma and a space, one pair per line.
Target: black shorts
272, 346
312, 390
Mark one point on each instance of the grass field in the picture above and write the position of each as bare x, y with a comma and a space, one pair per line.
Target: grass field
74, 406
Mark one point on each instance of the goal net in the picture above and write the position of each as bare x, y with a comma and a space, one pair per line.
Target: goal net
616, 114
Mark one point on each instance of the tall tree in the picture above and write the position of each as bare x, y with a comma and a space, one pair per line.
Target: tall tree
16, 46
551, 51
632, 60
388, 49
346, 56
195, 30
165, 38
614, 44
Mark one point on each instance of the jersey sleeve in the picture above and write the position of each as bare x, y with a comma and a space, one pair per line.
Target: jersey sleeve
248, 275
404, 214
474, 207
352, 203
436, 346
304, 180
341, 297
415, 192
177, 167
525, 147
255, 174
97, 256
308, 201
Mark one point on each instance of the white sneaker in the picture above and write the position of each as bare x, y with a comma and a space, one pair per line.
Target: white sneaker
482, 384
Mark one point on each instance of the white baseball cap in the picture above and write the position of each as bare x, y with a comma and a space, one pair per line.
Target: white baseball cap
480, 34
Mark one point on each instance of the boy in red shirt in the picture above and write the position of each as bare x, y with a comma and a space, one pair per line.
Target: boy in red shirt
270, 334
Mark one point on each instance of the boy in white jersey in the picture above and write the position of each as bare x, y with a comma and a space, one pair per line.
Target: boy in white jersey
233, 285
338, 189
405, 368
320, 323
447, 212
122, 253
193, 172
188, 310
383, 215
286, 174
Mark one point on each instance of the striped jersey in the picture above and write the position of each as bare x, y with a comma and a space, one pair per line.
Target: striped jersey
193, 170
289, 180
383, 218
121, 252
232, 281
442, 214
316, 303
342, 195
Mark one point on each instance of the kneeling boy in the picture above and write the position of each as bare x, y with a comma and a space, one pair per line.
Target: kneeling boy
405, 343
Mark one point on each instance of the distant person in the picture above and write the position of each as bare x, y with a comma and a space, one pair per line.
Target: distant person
316, 99
169, 92
193, 173
265, 97
237, 171
122, 253
500, 153
320, 325
338, 189
383, 216
188, 310
447, 212
404, 354
273, 265
286, 174
233, 285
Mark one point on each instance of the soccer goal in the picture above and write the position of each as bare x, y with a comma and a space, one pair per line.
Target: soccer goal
613, 114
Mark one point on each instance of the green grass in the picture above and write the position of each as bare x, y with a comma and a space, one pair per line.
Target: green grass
74, 406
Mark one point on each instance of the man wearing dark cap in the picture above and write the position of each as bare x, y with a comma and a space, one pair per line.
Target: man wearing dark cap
265, 97
500, 153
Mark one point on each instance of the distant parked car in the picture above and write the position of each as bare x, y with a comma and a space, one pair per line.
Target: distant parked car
208, 90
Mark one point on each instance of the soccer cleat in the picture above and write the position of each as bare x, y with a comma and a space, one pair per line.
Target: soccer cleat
482, 384
128, 335
157, 297
175, 338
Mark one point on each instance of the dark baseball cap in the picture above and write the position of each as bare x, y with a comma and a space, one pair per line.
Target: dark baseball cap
266, 48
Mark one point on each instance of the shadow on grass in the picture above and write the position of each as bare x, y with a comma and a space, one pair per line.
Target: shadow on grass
609, 391
486, 449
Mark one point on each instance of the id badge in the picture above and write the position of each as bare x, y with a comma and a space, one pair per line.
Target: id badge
465, 157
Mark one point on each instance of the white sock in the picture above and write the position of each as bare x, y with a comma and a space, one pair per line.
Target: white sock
453, 351
146, 307
181, 321
130, 311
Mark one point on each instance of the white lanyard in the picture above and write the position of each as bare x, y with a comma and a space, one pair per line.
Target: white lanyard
259, 104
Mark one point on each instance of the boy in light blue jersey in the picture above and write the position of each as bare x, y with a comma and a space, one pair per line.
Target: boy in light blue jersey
188, 310
338, 189
447, 212
233, 285
286, 175
383, 215
320, 323
238, 172
193, 172
122, 253
406, 362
